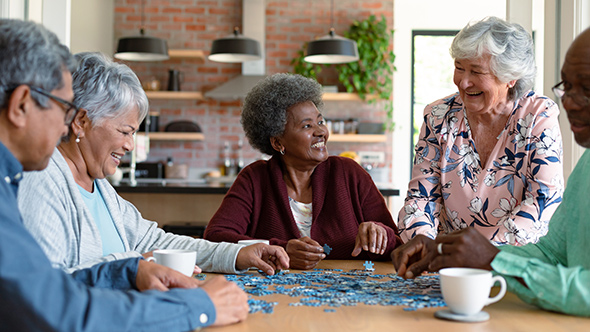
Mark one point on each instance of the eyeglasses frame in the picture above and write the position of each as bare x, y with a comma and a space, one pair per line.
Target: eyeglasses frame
67, 106
559, 92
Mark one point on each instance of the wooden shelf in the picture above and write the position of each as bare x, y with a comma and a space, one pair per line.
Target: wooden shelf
344, 96
356, 138
170, 136
186, 54
177, 95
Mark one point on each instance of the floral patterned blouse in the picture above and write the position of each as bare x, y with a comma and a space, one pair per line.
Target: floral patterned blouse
510, 199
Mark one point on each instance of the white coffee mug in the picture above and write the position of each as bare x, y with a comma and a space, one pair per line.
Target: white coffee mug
466, 291
250, 242
180, 260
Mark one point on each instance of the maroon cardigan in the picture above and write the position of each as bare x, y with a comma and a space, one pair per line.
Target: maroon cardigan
344, 195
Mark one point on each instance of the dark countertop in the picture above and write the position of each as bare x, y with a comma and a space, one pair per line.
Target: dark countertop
180, 187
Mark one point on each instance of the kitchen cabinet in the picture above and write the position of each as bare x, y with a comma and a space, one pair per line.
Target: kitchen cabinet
171, 136
175, 95
358, 138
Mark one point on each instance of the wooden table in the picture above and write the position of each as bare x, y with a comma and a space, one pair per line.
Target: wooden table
510, 314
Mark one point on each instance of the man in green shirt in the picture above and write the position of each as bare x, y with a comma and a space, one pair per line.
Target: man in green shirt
554, 273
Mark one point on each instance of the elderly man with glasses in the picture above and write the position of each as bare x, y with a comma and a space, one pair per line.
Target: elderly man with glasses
35, 92
554, 273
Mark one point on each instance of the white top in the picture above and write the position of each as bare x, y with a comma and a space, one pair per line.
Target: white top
302, 215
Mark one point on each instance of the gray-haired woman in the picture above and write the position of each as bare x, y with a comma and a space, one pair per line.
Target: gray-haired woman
78, 217
301, 198
490, 155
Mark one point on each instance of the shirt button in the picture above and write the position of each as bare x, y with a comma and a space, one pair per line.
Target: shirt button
203, 318
18, 176
7, 179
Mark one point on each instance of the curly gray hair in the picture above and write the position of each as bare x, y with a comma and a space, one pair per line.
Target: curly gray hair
106, 89
265, 108
31, 54
511, 49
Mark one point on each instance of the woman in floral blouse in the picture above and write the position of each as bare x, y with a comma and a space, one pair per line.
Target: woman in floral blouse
489, 156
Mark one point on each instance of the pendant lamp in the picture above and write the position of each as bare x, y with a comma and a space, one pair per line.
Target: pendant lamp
235, 48
331, 48
142, 48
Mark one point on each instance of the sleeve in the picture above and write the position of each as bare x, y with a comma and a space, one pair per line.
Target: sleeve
549, 286
544, 175
144, 236
551, 282
424, 200
375, 210
45, 213
230, 222
34, 296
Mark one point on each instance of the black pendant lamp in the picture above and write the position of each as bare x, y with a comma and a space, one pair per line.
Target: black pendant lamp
142, 48
235, 48
331, 48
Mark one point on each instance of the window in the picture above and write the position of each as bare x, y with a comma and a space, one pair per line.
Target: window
432, 73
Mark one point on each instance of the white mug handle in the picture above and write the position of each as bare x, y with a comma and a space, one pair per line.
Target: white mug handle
151, 259
502, 292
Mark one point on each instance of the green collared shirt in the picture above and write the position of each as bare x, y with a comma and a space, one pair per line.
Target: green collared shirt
556, 270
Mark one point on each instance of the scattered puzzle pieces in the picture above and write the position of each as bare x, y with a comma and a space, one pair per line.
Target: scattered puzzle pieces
334, 288
369, 266
327, 249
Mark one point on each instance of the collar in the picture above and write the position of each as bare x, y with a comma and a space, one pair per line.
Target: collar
11, 170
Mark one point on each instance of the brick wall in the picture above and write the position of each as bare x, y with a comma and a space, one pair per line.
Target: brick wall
194, 24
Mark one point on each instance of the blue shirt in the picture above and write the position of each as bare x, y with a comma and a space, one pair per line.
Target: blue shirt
34, 296
110, 238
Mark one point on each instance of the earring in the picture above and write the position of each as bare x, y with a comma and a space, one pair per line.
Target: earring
283, 151
78, 138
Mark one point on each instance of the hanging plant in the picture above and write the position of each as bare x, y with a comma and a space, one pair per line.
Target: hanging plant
371, 77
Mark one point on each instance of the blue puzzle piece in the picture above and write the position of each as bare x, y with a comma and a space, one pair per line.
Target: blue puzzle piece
327, 249
369, 266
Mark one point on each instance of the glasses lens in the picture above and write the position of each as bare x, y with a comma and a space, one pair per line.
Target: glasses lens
558, 90
70, 114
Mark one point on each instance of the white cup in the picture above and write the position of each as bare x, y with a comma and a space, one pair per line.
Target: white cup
466, 291
180, 260
250, 242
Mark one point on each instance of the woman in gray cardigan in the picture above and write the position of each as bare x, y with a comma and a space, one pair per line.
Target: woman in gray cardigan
78, 217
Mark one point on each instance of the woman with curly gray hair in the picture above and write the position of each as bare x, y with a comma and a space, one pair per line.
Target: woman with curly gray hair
490, 155
312, 204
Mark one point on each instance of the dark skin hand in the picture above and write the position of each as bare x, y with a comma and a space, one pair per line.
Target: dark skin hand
264, 257
371, 237
304, 253
463, 248
413, 257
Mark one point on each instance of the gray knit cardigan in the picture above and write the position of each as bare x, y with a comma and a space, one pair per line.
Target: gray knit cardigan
55, 213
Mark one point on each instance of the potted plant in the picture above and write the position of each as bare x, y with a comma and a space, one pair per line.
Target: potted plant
371, 76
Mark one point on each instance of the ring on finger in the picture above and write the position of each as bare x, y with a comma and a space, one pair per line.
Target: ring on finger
439, 249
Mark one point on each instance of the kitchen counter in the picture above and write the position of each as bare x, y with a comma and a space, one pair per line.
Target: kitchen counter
182, 202
174, 186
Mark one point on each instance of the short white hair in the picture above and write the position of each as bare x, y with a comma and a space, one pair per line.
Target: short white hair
510, 47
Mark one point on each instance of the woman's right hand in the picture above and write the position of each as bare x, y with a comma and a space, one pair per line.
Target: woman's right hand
304, 253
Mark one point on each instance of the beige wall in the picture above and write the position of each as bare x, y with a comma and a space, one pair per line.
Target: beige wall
92, 26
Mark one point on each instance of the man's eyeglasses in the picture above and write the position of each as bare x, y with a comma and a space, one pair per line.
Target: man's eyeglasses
68, 107
559, 91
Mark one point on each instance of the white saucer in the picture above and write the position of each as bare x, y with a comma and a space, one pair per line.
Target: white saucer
447, 314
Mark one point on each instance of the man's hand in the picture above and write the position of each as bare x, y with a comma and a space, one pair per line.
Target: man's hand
464, 248
264, 257
155, 276
371, 237
414, 257
230, 301
304, 253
